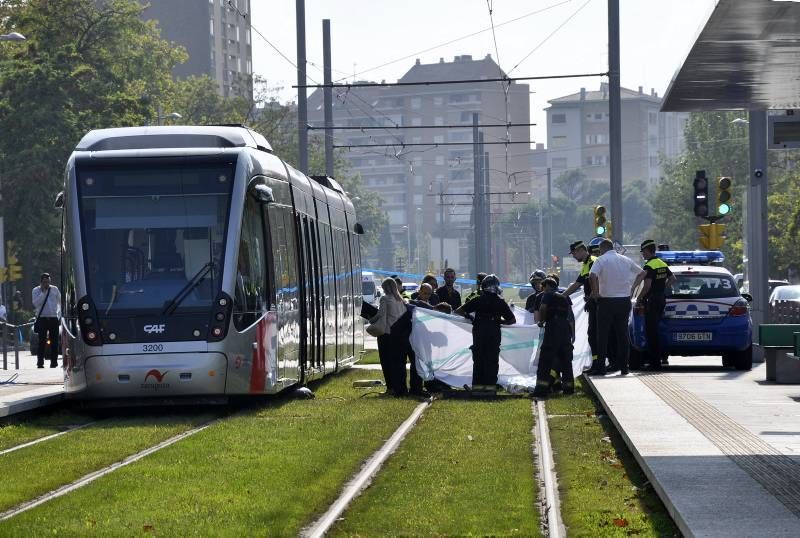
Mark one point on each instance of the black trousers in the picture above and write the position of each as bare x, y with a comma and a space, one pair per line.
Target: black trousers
591, 332
653, 313
49, 328
556, 354
414, 381
392, 353
485, 352
612, 325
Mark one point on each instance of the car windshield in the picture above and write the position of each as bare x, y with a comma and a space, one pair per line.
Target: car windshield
786, 293
367, 287
702, 286
149, 229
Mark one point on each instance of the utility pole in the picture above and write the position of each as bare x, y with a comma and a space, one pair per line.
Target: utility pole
486, 208
327, 95
541, 235
477, 180
756, 232
302, 104
615, 119
549, 216
442, 227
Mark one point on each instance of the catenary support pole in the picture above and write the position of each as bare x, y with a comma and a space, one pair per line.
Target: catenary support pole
477, 179
549, 217
486, 207
757, 241
327, 95
615, 119
302, 104
442, 227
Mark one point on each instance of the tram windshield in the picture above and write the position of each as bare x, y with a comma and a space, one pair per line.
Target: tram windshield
150, 229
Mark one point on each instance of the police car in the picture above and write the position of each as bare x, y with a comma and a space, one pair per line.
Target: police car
704, 315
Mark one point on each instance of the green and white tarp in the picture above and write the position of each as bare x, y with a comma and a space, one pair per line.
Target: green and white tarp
442, 346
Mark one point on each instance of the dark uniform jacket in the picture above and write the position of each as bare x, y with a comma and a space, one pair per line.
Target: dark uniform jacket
489, 309
449, 296
658, 272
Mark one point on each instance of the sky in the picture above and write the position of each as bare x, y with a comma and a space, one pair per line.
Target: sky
556, 37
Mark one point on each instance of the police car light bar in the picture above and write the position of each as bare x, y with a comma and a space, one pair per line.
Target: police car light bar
683, 257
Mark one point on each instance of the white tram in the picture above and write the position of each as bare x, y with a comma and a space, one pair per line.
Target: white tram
195, 262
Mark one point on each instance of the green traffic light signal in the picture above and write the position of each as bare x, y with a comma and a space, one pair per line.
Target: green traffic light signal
724, 209
600, 230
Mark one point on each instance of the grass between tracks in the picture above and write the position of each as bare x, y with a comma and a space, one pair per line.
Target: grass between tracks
267, 471
370, 357
43, 467
465, 469
603, 490
18, 431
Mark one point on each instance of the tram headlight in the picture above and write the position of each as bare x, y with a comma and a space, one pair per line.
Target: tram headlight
217, 331
91, 336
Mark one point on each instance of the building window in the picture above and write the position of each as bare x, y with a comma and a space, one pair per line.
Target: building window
559, 118
588, 161
211, 26
416, 103
653, 161
438, 139
438, 101
596, 139
467, 116
416, 121
438, 120
559, 141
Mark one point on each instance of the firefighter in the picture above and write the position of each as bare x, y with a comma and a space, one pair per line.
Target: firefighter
477, 291
489, 311
580, 252
559, 333
656, 276
532, 302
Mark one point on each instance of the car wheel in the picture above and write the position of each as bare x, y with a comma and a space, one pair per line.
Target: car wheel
744, 359
635, 359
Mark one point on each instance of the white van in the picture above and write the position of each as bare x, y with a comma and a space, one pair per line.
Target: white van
369, 289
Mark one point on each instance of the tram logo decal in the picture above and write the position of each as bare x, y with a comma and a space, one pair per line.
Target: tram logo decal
158, 376
157, 329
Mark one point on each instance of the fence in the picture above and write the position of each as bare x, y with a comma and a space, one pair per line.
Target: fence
785, 312
5, 327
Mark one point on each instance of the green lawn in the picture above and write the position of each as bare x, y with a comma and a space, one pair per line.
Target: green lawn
19, 431
268, 471
603, 491
45, 466
465, 469
370, 357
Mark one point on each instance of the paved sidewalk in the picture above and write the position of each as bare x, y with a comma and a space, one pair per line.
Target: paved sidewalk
29, 387
721, 448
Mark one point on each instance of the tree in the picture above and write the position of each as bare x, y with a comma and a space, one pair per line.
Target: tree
85, 65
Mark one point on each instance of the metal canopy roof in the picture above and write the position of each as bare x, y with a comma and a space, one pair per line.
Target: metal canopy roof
746, 57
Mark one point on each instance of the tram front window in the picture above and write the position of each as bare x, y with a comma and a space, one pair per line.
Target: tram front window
149, 230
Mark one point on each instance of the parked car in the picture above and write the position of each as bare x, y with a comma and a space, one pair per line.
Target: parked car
704, 315
410, 287
785, 293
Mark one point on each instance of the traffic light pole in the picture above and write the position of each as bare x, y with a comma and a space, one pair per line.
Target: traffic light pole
756, 232
615, 118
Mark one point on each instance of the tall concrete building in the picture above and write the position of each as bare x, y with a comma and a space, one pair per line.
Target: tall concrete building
427, 189
577, 134
217, 37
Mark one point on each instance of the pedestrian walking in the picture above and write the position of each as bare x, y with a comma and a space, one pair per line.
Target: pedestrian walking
612, 277
392, 339
448, 293
489, 311
559, 335
655, 277
580, 253
47, 302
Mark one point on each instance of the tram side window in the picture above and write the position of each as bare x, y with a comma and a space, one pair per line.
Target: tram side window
282, 233
250, 292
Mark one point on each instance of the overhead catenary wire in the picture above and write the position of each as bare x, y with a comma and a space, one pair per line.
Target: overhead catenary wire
350, 85
396, 126
435, 144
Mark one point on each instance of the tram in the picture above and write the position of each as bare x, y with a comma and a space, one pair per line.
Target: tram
195, 262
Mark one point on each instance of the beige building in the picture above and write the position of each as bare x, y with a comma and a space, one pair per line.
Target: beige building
577, 134
410, 178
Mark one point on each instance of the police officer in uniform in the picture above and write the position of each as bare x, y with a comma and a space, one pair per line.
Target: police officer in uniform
656, 276
580, 252
490, 311
556, 354
477, 291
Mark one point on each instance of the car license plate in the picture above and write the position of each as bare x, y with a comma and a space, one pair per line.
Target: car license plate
693, 337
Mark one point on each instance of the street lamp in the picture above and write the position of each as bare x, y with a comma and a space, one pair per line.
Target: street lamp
13, 36
408, 247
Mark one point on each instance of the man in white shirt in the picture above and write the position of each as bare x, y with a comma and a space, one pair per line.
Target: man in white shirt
612, 276
47, 305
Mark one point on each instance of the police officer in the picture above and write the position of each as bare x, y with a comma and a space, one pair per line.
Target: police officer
556, 354
656, 276
532, 302
490, 311
477, 291
580, 252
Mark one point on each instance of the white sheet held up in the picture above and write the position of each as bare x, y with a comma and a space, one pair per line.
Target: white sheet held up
442, 346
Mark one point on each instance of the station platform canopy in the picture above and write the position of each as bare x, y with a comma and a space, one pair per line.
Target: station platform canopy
747, 57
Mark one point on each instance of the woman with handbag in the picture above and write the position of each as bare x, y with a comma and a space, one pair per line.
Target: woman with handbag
47, 302
391, 349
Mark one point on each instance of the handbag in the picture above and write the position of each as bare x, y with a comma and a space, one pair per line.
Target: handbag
374, 329
380, 326
36, 325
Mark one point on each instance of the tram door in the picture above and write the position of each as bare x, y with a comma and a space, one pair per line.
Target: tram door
310, 344
317, 297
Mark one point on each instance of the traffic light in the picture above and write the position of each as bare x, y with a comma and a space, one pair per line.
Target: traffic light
724, 196
712, 236
609, 229
700, 194
599, 220
13, 270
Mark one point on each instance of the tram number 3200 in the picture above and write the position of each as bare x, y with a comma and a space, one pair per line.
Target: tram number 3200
152, 348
